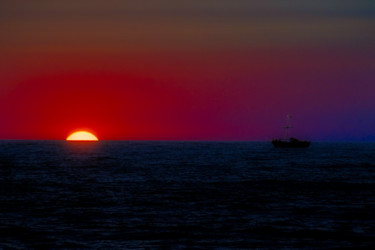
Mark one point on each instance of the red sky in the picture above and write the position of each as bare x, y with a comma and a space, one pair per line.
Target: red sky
193, 70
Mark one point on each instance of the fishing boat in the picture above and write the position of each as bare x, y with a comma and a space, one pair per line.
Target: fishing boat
289, 142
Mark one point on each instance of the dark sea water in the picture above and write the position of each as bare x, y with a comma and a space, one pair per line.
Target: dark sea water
179, 195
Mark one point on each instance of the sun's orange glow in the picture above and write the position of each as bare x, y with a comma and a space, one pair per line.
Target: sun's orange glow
82, 136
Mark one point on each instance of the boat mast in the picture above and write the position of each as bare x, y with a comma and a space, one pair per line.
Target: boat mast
287, 127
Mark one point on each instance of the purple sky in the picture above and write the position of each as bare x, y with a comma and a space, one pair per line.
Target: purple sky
187, 70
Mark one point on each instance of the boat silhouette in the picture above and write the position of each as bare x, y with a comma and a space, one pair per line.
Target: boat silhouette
289, 142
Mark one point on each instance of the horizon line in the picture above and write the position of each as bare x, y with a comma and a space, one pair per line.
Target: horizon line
187, 140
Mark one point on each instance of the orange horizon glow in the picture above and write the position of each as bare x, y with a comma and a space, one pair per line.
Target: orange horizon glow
82, 136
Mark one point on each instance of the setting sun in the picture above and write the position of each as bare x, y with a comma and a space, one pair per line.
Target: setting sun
82, 136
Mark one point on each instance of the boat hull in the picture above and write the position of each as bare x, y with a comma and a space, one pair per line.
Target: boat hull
293, 143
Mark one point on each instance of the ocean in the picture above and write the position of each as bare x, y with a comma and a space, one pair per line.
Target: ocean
183, 195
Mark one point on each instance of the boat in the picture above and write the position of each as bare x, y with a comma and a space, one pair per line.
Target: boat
291, 142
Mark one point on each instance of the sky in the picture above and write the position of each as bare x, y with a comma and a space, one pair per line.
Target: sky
187, 70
